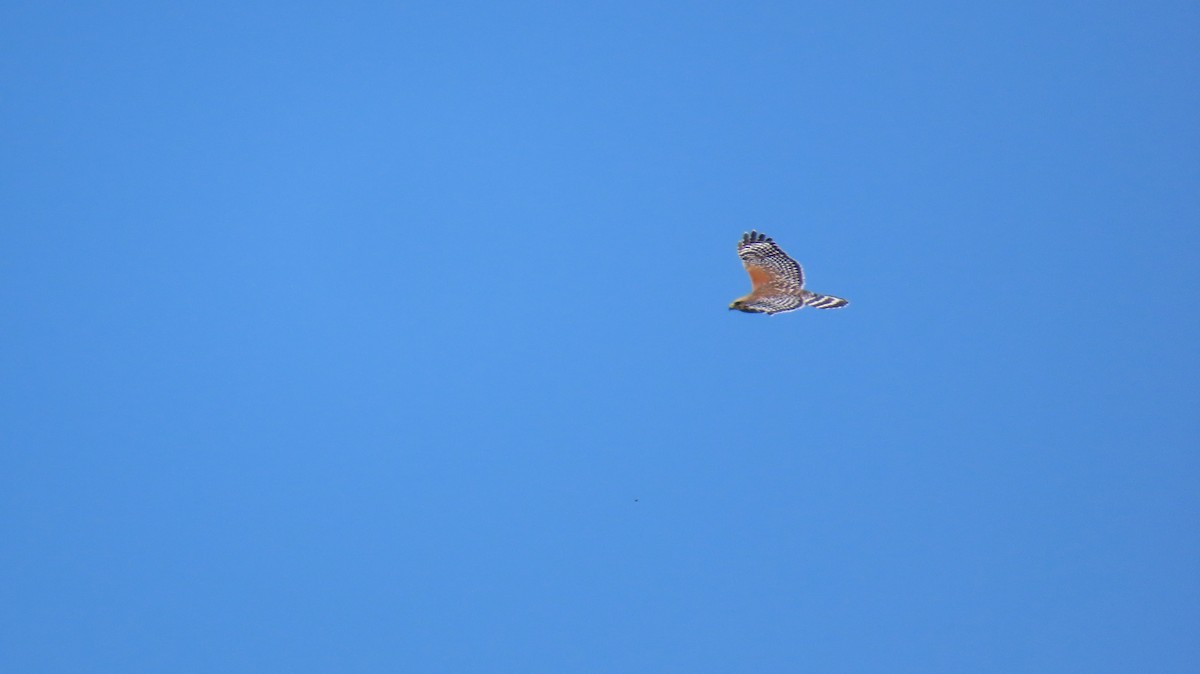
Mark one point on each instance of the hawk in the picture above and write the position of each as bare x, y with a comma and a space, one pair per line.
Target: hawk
776, 280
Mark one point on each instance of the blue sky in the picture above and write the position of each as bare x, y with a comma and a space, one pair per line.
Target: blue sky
393, 337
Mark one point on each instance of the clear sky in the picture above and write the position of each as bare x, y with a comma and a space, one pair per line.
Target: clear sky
392, 337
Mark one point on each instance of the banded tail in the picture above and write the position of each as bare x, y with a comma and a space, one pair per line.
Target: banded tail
823, 301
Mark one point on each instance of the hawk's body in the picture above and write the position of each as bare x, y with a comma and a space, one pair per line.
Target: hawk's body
776, 280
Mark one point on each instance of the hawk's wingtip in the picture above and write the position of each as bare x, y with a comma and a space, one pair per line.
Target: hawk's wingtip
755, 236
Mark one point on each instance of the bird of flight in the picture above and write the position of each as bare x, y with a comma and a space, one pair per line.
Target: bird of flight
776, 280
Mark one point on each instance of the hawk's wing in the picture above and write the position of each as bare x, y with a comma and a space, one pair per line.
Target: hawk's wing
771, 303
767, 264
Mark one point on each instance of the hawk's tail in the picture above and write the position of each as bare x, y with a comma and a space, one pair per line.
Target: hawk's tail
823, 301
